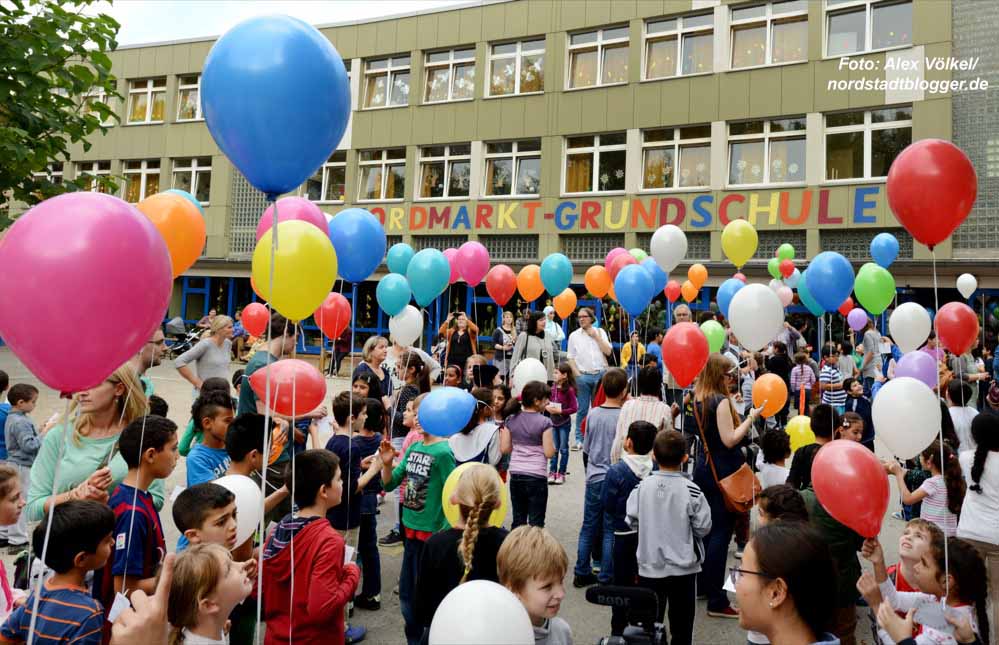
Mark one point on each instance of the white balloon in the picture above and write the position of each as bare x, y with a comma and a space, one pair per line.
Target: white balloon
481, 612
786, 295
966, 284
909, 326
527, 370
668, 247
248, 501
775, 284
756, 316
907, 415
405, 326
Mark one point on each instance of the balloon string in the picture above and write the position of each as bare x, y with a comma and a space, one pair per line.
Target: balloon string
291, 438
936, 308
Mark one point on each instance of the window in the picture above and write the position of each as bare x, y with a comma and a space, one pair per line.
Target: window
770, 34
511, 248
450, 75
693, 35
89, 172
329, 182
383, 174
862, 145
584, 248
517, 68
676, 157
766, 152
189, 98
386, 82
53, 172
513, 168
598, 57
595, 163
90, 101
194, 175
142, 179
445, 171
854, 26
146, 100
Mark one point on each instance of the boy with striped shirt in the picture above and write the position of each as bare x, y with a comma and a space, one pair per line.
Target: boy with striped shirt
831, 380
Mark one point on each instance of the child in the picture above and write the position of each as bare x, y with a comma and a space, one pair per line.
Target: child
192, 433
647, 407
942, 494
207, 585
528, 438
244, 441
324, 584
621, 479
532, 563
80, 541
365, 443
11, 504
859, 404
452, 376
631, 353
4, 411
958, 395
831, 380
673, 517
23, 442
563, 405
206, 514
851, 427
824, 421
601, 426
501, 394
158, 406
780, 502
479, 440
366, 385
212, 413
776, 450
802, 380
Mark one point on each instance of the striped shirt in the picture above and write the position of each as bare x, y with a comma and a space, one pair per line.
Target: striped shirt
66, 614
644, 408
830, 374
934, 507
802, 378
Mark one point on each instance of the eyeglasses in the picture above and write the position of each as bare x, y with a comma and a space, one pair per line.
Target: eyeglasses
734, 573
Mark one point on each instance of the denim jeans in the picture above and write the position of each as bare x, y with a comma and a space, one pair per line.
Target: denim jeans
592, 536
412, 553
868, 384
586, 387
561, 436
528, 500
367, 555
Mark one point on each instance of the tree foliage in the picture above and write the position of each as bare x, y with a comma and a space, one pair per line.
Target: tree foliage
55, 89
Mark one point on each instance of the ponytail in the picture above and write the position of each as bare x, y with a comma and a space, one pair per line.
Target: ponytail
985, 432
532, 394
951, 471
176, 636
971, 579
421, 375
483, 406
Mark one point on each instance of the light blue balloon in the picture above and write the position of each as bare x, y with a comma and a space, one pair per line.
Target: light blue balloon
884, 249
806, 297
359, 240
393, 293
276, 100
634, 289
189, 197
659, 277
726, 292
830, 279
398, 257
428, 274
556, 273
446, 411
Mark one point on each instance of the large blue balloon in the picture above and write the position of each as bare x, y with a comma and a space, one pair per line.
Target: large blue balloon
189, 197
393, 293
359, 240
806, 297
884, 249
276, 100
446, 411
659, 277
556, 273
830, 279
726, 292
634, 289
428, 273
398, 257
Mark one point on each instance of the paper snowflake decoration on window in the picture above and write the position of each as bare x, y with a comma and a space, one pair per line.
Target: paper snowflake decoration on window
741, 164
699, 167
604, 178
792, 168
756, 170
685, 173
619, 174
777, 163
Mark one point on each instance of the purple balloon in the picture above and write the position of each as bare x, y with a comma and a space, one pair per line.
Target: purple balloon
920, 366
857, 319
292, 208
81, 266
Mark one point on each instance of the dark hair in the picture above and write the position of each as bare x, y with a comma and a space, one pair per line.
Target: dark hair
345, 405
985, 432
947, 427
801, 358
483, 401
4, 382
824, 420
643, 436
533, 392
796, 553
215, 384
958, 391
375, 421
848, 383
669, 448
799, 476
650, 381
246, 433
779, 347
782, 502
209, 405
570, 377
237, 379
369, 378
776, 445
532, 325
846, 347
615, 382
827, 351
951, 471
158, 406
970, 577
141, 435
280, 326
411, 359
654, 332
313, 470
648, 359
79, 525
21, 392
194, 503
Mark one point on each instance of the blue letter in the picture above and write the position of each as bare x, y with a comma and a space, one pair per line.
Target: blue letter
570, 218
861, 203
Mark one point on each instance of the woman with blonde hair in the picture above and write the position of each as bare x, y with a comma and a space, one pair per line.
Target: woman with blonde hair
211, 355
207, 585
87, 462
373, 354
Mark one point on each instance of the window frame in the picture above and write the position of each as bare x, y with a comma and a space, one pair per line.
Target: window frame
55, 172
101, 96
766, 137
143, 171
515, 155
92, 169
449, 159
599, 44
384, 162
518, 62
193, 168
390, 72
181, 87
768, 20
450, 64
596, 150
676, 144
324, 173
846, 7
867, 127
149, 90
676, 34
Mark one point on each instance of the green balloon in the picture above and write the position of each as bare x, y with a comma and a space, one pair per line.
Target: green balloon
785, 252
875, 288
773, 267
638, 254
715, 334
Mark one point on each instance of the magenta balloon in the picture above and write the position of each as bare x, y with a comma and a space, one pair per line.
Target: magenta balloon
452, 260
290, 208
613, 253
473, 262
857, 319
920, 366
81, 266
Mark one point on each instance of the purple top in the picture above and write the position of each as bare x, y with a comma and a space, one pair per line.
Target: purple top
567, 397
526, 430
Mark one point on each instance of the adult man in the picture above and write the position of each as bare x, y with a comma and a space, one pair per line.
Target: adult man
674, 393
655, 346
588, 350
150, 355
871, 365
554, 331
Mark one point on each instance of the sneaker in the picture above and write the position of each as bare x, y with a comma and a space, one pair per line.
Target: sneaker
738, 552
391, 539
552, 478
897, 515
559, 479
354, 634
368, 603
728, 612
575, 447
585, 580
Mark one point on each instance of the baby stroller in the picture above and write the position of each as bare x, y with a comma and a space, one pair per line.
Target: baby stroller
181, 339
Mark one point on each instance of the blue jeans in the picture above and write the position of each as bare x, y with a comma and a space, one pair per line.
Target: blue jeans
367, 555
868, 384
586, 387
560, 434
592, 534
412, 553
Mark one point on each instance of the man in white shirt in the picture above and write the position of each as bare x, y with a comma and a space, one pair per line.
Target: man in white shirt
588, 349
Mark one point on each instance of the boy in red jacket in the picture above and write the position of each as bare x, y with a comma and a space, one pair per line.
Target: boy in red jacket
323, 583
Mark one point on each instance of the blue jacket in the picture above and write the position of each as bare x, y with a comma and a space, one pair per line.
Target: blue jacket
618, 484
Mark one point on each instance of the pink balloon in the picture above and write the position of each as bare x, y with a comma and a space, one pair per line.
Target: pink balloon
741, 277
473, 262
613, 253
786, 295
452, 260
290, 208
81, 265
857, 319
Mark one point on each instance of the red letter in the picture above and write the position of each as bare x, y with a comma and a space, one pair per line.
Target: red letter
648, 216
531, 208
824, 209
588, 216
723, 206
681, 211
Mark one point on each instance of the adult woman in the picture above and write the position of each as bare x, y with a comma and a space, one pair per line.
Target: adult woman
503, 344
88, 464
979, 523
534, 342
211, 356
372, 356
723, 431
461, 339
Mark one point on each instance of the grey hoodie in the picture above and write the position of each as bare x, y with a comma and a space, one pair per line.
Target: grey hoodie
554, 632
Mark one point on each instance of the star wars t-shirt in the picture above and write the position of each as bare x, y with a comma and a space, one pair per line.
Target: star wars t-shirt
425, 469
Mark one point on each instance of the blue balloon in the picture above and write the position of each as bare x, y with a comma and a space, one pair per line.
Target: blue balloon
393, 293
556, 273
659, 277
189, 197
726, 292
884, 249
398, 257
359, 240
806, 297
276, 100
428, 274
446, 411
634, 289
830, 279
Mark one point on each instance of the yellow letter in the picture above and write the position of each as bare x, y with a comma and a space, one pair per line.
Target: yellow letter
771, 210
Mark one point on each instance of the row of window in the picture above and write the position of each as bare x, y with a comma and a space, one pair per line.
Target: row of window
142, 177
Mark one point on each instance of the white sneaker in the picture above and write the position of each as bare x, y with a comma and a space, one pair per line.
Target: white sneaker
551, 478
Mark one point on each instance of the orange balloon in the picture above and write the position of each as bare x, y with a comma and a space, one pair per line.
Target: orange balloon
180, 224
565, 303
597, 281
770, 391
697, 275
689, 291
529, 283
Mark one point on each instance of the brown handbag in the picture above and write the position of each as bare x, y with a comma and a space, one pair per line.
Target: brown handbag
740, 489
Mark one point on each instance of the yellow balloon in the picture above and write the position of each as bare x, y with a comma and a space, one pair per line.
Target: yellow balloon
739, 241
304, 269
453, 513
799, 428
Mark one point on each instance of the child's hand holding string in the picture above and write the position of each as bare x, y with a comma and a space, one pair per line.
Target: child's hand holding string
897, 627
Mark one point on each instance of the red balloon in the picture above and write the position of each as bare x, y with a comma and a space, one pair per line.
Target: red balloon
333, 315
673, 290
501, 284
957, 327
931, 189
685, 352
742, 278
255, 319
620, 261
851, 485
847, 306
297, 387
787, 268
